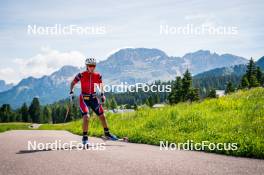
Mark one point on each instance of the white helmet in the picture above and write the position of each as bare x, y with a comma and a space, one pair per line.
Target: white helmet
90, 61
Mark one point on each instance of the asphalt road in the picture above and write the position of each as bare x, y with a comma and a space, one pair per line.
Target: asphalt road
112, 158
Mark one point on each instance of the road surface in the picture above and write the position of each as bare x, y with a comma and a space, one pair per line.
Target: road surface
114, 158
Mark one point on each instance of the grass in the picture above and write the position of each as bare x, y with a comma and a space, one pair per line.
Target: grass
13, 126
236, 118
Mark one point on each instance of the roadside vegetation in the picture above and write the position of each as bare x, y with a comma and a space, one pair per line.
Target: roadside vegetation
13, 126
235, 118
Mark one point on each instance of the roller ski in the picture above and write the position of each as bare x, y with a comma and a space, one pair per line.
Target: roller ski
111, 137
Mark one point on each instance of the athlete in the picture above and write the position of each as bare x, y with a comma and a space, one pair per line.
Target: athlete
90, 80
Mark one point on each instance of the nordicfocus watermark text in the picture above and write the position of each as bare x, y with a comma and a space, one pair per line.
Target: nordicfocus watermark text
59, 29
191, 29
138, 87
191, 146
59, 145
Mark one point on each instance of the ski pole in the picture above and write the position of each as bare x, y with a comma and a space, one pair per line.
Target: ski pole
68, 110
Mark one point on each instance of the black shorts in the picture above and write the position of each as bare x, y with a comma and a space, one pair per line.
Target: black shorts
90, 100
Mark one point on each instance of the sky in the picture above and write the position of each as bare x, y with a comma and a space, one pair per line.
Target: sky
118, 24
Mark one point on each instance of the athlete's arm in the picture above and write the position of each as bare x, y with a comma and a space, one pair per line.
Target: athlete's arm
75, 81
72, 86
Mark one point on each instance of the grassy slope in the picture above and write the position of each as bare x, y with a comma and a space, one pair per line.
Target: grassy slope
236, 118
11, 126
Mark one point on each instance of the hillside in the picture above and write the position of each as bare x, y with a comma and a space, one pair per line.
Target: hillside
218, 78
260, 63
48, 88
235, 70
236, 118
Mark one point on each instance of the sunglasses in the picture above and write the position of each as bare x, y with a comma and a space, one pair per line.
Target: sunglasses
91, 65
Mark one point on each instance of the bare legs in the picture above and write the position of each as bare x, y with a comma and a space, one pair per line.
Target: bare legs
103, 121
104, 124
85, 123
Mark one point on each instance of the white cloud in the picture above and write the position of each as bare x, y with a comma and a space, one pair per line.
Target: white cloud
200, 17
6, 74
44, 63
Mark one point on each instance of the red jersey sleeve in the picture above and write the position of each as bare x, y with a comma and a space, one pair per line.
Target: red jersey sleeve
77, 78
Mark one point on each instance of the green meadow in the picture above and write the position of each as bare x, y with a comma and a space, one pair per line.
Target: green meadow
235, 118
13, 126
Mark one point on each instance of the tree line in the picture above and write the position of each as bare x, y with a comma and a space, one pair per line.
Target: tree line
182, 89
51, 113
253, 77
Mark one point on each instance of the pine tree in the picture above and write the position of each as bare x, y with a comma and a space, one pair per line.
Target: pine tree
254, 82
251, 68
113, 104
178, 90
193, 94
6, 113
251, 74
182, 89
175, 95
74, 112
46, 115
151, 101
34, 110
212, 94
147, 102
18, 117
12, 117
54, 114
24, 113
244, 82
186, 84
229, 88
259, 76
158, 98
135, 106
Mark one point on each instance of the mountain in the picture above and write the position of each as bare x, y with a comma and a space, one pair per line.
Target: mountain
237, 70
204, 60
4, 86
218, 78
48, 88
260, 63
139, 65
147, 65
127, 65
